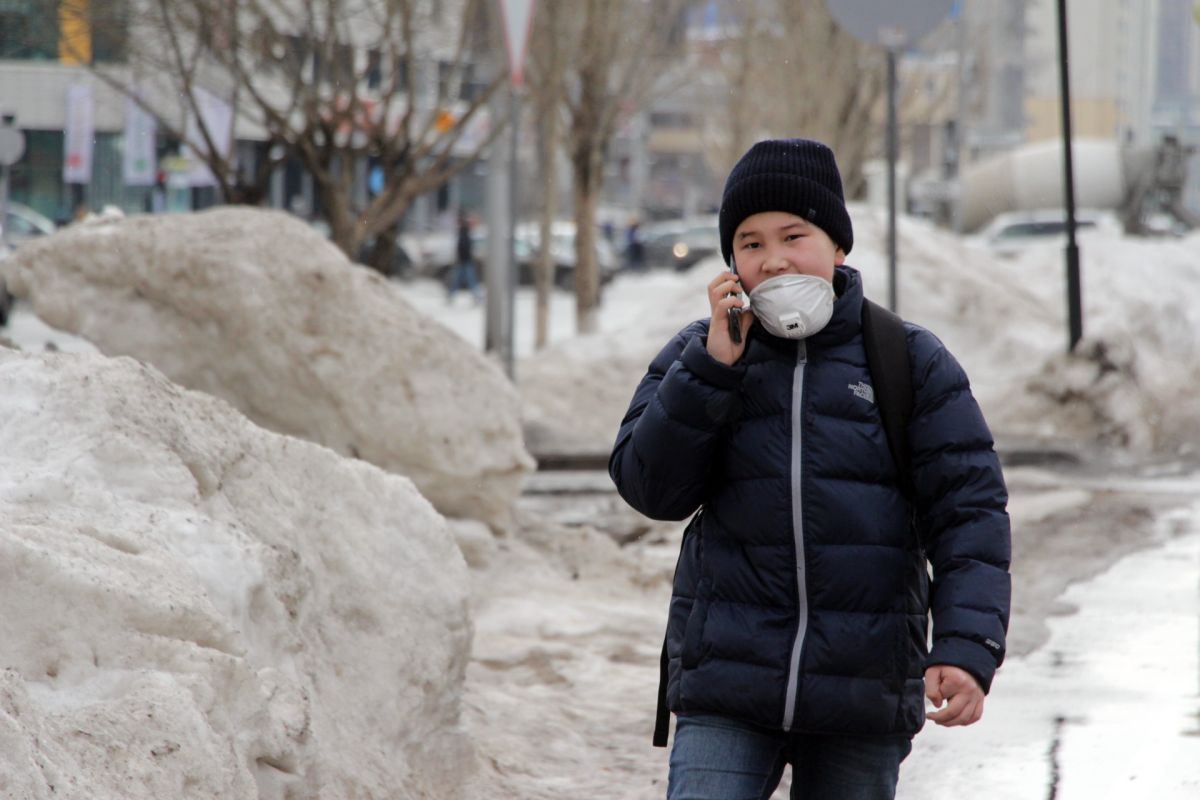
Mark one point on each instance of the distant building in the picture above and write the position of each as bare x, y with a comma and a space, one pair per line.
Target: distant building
47, 46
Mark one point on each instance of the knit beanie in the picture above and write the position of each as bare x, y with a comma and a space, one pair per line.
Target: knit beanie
798, 176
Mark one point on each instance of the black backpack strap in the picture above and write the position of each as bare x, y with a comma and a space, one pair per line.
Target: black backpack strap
887, 358
662, 716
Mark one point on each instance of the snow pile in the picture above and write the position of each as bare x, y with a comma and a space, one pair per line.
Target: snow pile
1004, 318
195, 607
254, 307
1141, 345
575, 393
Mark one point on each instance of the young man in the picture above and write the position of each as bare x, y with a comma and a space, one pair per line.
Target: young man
797, 626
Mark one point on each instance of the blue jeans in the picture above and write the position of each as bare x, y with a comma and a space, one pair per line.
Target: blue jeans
464, 275
715, 758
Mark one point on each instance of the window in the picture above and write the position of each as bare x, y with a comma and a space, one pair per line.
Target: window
401, 69
333, 63
374, 69
110, 30
671, 119
28, 29
36, 180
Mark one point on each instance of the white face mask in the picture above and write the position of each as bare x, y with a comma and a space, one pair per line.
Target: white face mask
793, 306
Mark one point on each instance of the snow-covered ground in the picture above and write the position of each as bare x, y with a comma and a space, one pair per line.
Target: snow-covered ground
1101, 693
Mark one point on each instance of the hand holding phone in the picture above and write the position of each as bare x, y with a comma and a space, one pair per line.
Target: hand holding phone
726, 340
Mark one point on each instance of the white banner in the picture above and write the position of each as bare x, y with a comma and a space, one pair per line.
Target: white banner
218, 119
139, 161
80, 134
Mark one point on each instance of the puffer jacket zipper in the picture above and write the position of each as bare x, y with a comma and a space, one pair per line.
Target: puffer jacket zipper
797, 534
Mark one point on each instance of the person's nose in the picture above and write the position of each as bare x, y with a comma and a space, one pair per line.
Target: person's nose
775, 262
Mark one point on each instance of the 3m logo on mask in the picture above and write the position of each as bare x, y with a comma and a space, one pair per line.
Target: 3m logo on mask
792, 322
863, 390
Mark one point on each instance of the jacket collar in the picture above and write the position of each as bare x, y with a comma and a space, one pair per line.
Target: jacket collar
846, 321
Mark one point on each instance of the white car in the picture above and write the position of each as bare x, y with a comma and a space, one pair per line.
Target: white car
434, 253
22, 223
1012, 232
562, 252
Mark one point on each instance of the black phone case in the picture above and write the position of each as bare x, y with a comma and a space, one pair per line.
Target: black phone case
735, 314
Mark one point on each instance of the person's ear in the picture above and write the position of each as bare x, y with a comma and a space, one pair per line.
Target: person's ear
839, 257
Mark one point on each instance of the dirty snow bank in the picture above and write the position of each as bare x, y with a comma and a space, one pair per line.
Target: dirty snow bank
194, 607
256, 308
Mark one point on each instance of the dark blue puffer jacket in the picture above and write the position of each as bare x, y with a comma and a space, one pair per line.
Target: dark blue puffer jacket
801, 595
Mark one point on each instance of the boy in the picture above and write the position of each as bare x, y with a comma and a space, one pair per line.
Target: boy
797, 626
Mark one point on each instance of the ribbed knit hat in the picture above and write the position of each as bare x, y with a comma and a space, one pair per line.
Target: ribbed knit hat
798, 176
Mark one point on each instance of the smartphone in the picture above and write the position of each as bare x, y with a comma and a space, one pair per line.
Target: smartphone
735, 314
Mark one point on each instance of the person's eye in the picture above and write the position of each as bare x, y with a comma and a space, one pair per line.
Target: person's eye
793, 236
750, 246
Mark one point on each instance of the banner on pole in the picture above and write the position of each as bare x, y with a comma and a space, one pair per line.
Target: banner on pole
139, 161
218, 120
80, 134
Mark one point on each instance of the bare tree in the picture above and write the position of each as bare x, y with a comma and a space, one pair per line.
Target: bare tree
792, 71
330, 83
548, 56
618, 48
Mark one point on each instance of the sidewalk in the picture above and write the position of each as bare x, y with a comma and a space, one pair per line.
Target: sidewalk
1108, 707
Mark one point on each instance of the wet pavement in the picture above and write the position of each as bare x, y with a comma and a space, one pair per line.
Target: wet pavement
1100, 696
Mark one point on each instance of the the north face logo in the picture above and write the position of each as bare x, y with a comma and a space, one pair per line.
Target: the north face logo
863, 390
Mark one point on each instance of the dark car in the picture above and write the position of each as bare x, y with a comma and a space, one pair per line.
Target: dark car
679, 244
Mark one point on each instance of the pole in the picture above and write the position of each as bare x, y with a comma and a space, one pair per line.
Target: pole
960, 122
3, 206
893, 302
498, 198
510, 287
1074, 299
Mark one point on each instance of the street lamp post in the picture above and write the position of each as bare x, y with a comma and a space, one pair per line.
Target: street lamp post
894, 25
1074, 299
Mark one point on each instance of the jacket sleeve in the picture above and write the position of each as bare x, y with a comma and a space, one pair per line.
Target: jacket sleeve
961, 504
663, 456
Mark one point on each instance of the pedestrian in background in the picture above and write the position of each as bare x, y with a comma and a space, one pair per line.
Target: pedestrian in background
635, 248
465, 273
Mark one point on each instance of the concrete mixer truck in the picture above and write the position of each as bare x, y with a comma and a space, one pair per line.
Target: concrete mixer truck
1144, 186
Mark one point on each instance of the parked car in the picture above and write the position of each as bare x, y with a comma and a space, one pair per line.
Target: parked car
1012, 232
434, 253
562, 252
679, 244
431, 253
22, 223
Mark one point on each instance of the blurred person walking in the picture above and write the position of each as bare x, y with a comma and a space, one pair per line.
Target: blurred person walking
465, 273
635, 246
